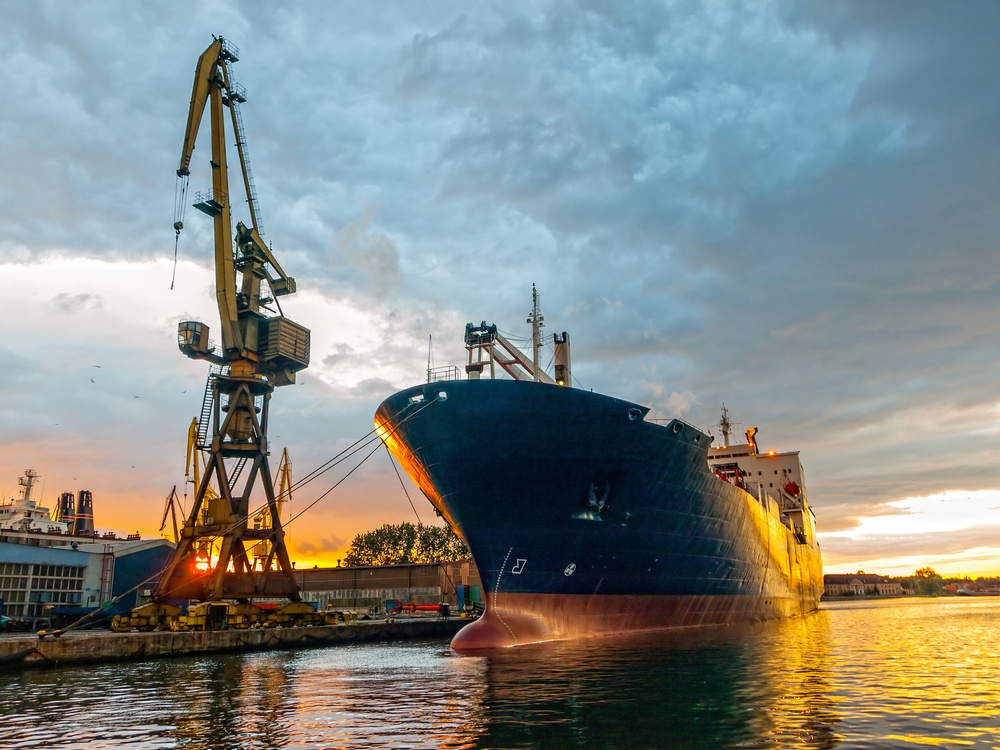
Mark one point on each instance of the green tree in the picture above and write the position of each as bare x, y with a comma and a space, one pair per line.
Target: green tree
437, 543
405, 543
928, 582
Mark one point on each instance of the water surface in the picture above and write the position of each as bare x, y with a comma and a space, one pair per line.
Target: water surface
884, 674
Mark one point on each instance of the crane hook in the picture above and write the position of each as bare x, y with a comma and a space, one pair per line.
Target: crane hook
177, 239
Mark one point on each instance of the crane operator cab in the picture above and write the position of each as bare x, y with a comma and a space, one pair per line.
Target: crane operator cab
192, 339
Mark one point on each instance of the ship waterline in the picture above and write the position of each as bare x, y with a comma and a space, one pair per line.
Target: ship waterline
516, 619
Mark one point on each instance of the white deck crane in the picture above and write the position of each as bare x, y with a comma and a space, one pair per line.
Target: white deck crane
487, 347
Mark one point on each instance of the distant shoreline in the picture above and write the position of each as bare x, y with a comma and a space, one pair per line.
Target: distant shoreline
878, 597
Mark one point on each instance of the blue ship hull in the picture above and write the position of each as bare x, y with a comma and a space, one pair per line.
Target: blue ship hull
583, 518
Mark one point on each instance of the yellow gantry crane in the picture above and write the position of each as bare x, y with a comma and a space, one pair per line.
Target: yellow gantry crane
261, 349
262, 519
170, 511
194, 469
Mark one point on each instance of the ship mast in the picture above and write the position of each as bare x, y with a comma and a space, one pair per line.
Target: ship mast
537, 320
28, 483
725, 425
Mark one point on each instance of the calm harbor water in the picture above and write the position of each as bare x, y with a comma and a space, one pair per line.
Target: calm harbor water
896, 673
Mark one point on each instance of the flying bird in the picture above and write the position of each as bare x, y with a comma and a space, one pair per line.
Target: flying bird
97, 366
134, 396
91, 380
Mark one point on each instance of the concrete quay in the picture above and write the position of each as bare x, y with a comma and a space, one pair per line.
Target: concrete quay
28, 651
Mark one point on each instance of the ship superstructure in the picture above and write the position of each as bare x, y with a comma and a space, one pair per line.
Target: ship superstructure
25, 514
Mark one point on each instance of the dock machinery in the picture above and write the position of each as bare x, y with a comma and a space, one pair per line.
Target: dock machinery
213, 559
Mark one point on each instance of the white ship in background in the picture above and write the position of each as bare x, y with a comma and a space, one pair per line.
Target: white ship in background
25, 514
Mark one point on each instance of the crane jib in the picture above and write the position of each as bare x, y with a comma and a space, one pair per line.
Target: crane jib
252, 278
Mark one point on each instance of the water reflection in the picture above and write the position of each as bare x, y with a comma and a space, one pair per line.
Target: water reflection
232, 702
397, 695
723, 687
919, 672
855, 675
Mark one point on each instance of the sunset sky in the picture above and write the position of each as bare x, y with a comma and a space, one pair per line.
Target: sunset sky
790, 208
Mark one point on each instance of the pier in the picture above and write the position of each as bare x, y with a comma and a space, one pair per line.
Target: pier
29, 650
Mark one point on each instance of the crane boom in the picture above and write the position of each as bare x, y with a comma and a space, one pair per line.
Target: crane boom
209, 84
170, 508
205, 74
252, 342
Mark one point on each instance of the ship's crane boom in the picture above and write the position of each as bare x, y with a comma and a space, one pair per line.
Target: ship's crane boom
486, 346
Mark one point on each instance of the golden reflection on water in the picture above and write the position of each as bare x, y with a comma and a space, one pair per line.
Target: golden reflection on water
889, 674
722, 687
919, 672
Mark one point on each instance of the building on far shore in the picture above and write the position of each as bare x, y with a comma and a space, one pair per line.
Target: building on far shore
860, 584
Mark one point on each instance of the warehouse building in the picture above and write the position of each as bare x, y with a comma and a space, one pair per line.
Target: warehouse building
44, 586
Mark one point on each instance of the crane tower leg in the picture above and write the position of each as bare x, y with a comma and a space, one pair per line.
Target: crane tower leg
195, 571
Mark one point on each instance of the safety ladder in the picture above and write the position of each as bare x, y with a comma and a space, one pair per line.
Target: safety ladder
207, 404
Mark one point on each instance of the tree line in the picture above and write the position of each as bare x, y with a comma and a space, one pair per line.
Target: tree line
929, 582
393, 544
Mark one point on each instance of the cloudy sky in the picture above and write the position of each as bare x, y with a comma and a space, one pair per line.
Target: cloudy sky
789, 208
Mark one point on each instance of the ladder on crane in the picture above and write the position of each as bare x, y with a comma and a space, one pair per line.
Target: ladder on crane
237, 95
207, 402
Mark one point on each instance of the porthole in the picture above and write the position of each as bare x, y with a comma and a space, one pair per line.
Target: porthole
677, 427
442, 396
634, 414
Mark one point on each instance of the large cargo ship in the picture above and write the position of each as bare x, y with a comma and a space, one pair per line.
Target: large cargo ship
584, 517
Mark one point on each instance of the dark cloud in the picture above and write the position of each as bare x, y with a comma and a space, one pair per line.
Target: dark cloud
372, 389
363, 260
